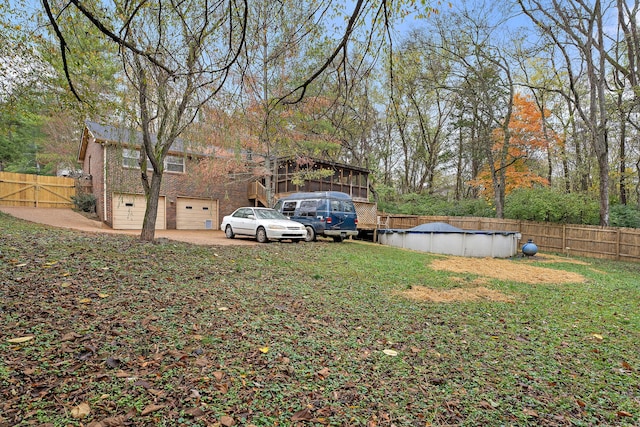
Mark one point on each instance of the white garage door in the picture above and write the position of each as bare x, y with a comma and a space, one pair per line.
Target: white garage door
196, 214
128, 212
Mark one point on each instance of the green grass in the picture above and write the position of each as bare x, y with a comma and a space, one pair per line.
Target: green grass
259, 333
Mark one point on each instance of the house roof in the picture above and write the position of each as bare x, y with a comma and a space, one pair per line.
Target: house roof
326, 162
108, 134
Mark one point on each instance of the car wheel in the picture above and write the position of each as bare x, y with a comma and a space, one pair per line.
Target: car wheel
311, 234
338, 239
261, 235
229, 232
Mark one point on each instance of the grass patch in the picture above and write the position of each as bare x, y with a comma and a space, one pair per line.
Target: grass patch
280, 334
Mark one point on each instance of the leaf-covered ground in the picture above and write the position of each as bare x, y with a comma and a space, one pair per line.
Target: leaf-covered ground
102, 330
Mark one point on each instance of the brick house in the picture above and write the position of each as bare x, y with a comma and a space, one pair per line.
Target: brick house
109, 156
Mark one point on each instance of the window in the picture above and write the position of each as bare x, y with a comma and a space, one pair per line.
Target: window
174, 164
289, 208
308, 207
130, 159
243, 213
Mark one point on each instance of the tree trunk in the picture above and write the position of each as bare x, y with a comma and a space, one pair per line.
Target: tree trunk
603, 162
623, 158
458, 191
638, 185
152, 195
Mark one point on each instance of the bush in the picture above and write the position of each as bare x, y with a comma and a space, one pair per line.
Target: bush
468, 207
425, 204
85, 202
624, 216
530, 204
548, 205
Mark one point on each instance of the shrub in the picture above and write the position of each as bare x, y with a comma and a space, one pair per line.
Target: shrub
548, 205
468, 207
624, 216
429, 204
85, 202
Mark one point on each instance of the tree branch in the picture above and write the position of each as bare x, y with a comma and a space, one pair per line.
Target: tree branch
117, 39
347, 34
63, 48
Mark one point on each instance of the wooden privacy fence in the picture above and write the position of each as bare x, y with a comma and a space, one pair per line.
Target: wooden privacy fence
19, 189
581, 240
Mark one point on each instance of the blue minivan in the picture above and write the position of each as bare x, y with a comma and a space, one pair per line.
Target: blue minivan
323, 213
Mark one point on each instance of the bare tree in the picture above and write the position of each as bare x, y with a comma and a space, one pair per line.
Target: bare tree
178, 55
484, 86
578, 26
422, 107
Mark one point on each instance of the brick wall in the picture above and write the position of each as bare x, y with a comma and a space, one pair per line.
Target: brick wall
230, 194
93, 167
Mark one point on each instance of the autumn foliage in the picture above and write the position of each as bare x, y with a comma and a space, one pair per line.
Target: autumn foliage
528, 144
237, 141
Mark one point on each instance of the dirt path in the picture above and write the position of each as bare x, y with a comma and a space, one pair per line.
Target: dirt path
67, 218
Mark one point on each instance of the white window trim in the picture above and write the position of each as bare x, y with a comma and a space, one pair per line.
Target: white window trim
131, 162
173, 160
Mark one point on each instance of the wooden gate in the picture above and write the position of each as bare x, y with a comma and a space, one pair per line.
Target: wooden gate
20, 189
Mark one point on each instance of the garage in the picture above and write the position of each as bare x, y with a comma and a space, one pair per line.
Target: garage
128, 212
196, 214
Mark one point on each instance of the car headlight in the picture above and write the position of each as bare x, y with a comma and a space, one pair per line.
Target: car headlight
276, 227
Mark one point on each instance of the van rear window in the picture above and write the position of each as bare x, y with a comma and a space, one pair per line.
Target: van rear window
349, 207
342, 206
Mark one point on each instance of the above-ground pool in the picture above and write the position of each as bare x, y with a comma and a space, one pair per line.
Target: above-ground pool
441, 238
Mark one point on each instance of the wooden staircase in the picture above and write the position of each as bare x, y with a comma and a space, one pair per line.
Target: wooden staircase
257, 193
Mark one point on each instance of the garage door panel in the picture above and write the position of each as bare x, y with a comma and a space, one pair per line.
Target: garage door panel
196, 214
129, 209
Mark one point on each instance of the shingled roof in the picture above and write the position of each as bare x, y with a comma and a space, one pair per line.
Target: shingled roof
108, 134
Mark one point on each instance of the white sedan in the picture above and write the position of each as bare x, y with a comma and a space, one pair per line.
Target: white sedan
262, 223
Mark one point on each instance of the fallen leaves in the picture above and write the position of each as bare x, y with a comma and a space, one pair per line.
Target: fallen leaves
149, 409
70, 336
323, 373
112, 362
222, 346
227, 421
302, 415
20, 340
81, 411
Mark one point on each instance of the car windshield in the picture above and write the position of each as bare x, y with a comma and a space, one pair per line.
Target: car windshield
269, 214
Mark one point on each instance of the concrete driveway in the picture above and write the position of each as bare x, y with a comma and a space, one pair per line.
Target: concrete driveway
67, 218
